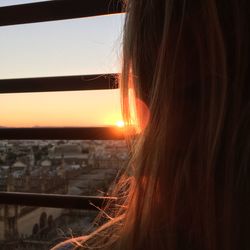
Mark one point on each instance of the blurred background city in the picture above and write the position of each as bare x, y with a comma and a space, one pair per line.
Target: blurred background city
72, 167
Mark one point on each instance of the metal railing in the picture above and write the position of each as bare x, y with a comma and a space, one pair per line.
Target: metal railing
53, 200
57, 10
59, 83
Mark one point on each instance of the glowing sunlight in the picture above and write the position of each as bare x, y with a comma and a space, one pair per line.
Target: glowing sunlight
120, 124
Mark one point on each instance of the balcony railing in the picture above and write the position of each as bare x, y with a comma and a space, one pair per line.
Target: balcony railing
57, 10
53, 200
60, 83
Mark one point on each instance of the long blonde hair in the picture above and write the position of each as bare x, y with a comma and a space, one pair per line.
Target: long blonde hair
189, 185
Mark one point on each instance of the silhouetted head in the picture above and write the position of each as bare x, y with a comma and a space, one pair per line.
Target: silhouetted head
188, 61
186, 74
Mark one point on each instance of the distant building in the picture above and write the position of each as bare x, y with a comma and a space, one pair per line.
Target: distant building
71, 153
21, 221
46, 163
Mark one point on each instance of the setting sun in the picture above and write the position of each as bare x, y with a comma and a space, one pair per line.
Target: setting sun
120, 124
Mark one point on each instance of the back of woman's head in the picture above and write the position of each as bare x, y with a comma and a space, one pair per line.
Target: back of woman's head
188, 61
189, 179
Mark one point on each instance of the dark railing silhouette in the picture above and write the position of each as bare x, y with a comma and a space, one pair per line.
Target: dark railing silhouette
57, 10
53, 200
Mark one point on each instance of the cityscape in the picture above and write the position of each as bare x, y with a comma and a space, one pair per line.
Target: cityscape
73, 167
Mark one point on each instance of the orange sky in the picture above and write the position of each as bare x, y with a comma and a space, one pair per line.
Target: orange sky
74, 108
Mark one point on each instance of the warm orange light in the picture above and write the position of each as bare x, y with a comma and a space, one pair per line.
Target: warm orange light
61, 109
120, 124
139, 112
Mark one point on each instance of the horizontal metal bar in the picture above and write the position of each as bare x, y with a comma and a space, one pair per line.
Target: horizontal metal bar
59, 83
57, 10
53, 200
84, 133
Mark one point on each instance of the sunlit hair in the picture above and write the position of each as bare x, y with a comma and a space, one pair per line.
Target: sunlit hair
188, 183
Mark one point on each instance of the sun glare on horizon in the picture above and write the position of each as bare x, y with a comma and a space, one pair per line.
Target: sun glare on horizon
120, 124
61, 109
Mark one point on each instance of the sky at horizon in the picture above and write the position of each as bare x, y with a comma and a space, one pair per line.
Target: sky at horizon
63, 109
69, 47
